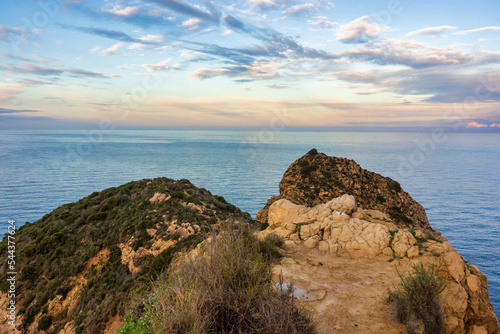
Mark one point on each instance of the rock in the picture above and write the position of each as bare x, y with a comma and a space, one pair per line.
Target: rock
477, 330
159, 197
413, 252
455, 265
311, 243
473, 283
284, 211
345, 204
323, 246
283, 232
403, 241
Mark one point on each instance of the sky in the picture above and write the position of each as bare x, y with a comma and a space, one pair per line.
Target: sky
393, 65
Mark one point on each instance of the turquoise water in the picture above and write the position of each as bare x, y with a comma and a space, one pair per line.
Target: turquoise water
456, 178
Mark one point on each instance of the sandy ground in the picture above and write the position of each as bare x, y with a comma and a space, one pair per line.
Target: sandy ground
344, 295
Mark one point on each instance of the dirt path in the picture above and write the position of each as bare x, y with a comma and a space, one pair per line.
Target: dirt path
344, 295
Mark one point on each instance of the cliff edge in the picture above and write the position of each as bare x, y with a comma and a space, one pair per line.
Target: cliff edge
345, 250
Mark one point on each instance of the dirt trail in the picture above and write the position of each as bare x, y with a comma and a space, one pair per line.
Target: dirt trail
344, 295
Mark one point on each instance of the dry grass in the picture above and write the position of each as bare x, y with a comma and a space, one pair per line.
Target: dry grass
226, 289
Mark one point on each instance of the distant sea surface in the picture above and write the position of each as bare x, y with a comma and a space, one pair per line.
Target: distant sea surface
456, 178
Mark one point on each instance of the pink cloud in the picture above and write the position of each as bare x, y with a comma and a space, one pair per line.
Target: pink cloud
495, 125
475, 125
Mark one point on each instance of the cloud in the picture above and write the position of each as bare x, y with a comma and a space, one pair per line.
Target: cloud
250, 72
299, 9
321, 22
125, 11
360, 30
7, 34
111, 34
495, 125
147, 42
49, 71
432, 31
279, 86
112, 50
161, 66
415, 55
431, 85
15, 111
192, 24
265, 4
465, 32
475, 125
209, 14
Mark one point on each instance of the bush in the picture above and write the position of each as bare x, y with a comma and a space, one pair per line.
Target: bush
394, 185
313, 152
268, 247
416, 300
225, 289
45, 323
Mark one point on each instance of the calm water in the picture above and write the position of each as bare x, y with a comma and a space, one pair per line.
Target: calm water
457, 180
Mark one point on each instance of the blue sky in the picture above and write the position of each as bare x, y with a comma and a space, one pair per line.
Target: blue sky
386, 65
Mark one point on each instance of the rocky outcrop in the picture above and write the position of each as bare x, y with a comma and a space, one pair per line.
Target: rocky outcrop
338, 228
317, 178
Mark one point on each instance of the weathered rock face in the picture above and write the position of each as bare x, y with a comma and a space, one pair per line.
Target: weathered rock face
340, 229
318, 178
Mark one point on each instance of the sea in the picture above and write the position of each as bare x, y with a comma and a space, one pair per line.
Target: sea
455, 176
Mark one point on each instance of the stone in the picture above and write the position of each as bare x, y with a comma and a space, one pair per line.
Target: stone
311, 243
413, 252
323, 246
283, 232
345, 203
403, 241
477, 330
455, 265
473, 283
284, 211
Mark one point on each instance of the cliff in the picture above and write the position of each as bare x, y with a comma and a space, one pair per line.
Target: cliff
79, 266
345, 250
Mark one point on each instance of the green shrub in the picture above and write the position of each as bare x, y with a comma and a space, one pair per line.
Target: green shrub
313, 152
178, 194
394, 185
303, 163
416, 298
45, 323
269, 247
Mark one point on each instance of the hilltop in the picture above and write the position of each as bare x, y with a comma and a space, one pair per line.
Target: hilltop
317, 178
80, 264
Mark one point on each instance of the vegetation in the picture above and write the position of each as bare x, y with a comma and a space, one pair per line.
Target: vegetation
394, 185
415, 299
54, 251
227, 288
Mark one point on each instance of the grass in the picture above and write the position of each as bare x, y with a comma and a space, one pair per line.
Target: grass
226, 289
415, 299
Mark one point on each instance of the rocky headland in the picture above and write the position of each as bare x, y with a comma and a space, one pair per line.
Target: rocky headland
348, 236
